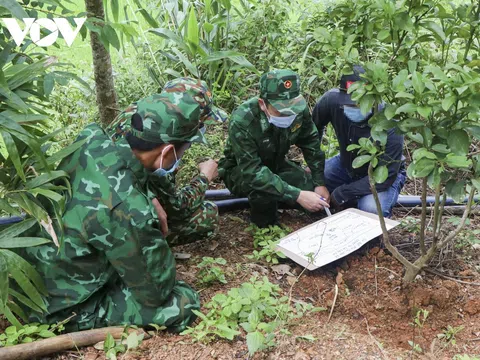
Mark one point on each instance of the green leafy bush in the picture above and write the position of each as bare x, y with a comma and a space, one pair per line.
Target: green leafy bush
209, 273
257, 307
265, 242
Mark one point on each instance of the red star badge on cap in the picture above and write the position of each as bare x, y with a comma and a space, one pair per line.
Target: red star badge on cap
288, 84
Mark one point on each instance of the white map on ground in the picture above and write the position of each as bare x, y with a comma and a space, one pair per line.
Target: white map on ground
332, 238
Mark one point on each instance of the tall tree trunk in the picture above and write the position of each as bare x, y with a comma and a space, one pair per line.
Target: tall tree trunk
102, 65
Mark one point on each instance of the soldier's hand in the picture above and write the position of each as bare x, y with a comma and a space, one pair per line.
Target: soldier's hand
311, 201
209, 168
162, 216
323, 192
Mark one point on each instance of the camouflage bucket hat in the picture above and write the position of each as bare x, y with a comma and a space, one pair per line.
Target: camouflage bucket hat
200, 92
281, 88
167, 118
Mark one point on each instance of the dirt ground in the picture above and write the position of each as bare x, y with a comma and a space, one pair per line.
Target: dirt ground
372, 315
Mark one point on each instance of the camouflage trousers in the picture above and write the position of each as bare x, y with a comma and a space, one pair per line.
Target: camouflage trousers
116, 307
199, 225
263, 210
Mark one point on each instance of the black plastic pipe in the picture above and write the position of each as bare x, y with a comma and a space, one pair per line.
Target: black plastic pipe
227, 202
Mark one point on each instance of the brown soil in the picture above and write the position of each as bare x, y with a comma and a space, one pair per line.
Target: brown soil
372, 316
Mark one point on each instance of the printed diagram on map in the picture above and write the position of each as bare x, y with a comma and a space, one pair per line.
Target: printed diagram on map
332, 238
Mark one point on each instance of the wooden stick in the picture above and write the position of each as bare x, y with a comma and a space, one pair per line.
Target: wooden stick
60, 343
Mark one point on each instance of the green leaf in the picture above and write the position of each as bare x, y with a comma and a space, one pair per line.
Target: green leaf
404, 95
475, 182
22, 242
48, 84
19, 276
132, 341
60, 155
435, 28
424, 111
366, 103
6, 207
380, 174
383, 34
16, 260
448, 102
4, 286
192, 30
170, 35
24, 300
418, 83
441, 148
423, 167
361, 160
45, 178
457, 161
390, 111
15, 9
255, 342
115, 9
234, 56
423, 153
109, 33
13, 153
412, 123
459, 142
456, 190
406, 108
16, 229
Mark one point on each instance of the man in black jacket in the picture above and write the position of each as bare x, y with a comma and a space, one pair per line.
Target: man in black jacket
346, 184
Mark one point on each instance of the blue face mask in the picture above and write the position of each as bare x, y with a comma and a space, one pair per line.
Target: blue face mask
280, 121
162, 172
354, 114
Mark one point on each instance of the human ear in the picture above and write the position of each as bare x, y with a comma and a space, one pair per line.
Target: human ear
166, 158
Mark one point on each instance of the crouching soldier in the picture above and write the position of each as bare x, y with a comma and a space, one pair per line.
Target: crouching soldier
260, 134
185, 215
115, 266
349, 186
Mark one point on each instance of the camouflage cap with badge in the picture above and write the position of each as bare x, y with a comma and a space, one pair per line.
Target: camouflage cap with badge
200, 92
281, 89
162, 118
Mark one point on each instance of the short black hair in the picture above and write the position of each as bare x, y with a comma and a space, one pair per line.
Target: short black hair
137, 143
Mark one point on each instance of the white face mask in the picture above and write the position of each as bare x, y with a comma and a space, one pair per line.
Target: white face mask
162, 172
279, 121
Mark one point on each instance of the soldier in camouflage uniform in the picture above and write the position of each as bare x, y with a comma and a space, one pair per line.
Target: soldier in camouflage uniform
190, 217
115, 266
260, 134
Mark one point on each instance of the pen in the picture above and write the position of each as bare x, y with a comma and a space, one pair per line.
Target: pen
327, 210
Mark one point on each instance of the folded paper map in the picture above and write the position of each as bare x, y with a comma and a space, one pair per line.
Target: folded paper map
332, 238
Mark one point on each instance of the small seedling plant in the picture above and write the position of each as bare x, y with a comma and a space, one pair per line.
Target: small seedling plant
128, 342
256, 307
449, 335
28, 333
265, 242
418, 323
209, 272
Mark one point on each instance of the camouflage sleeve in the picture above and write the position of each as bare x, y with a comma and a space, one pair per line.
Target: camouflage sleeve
309, 142
257, 176
138, 251
181, 203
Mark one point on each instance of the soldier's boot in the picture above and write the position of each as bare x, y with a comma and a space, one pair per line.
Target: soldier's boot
263, 212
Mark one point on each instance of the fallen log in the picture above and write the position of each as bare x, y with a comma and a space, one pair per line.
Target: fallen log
60, 343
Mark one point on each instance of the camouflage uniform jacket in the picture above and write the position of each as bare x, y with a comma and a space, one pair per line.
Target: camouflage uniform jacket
109, 231
179, 204
259, 148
